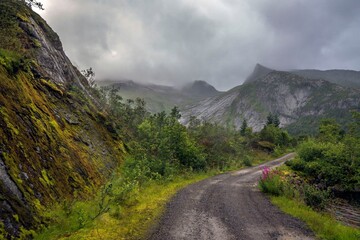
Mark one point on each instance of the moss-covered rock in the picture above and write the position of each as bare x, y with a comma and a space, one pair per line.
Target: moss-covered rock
51, 148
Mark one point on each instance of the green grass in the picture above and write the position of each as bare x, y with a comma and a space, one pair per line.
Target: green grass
131, 220
323, 225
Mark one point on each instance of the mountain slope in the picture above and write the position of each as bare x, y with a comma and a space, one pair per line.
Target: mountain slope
294, 98
53, 143
347, 78
258, 72
160, 98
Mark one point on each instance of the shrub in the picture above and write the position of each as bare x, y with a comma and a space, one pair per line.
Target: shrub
247, 161
310, 150
296, 164
315, 198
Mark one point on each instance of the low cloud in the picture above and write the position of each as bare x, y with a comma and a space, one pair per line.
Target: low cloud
220, 41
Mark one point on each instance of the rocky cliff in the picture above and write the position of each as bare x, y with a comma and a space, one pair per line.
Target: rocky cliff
53, 143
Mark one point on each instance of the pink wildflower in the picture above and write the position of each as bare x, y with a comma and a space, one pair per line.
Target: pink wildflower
265, 173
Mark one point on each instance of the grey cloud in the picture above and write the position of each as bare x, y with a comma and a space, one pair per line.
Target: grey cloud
172, 42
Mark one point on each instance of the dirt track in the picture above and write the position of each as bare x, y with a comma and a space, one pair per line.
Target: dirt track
228, 206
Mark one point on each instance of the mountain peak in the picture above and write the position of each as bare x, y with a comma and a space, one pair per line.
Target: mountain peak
200, 88
258, 72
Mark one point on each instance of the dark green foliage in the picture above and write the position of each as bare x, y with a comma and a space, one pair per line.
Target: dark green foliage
333, 159
164, 138
243, 128
315, 198
273, 119
330, 130
275, 135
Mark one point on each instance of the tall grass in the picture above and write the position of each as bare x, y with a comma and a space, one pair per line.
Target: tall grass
129, 219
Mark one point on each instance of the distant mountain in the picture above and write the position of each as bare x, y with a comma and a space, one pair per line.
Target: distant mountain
347, 78
162, 98
300, 102
199, 89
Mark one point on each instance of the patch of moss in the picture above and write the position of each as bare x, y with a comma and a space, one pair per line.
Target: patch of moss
52, 86
45, 178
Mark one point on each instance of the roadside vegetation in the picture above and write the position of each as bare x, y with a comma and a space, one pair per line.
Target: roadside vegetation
326, 169
163, 156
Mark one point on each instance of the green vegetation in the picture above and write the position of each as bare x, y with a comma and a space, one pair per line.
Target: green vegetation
127, 210
332, 160
326, 167
325, 226
163, 157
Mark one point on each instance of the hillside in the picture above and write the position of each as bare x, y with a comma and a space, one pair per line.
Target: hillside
298, 101
160, 98
54, 144
346, 78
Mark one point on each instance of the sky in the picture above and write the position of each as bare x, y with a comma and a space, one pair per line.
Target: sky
173, 42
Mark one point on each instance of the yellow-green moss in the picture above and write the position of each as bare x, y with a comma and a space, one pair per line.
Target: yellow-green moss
16, 217
23, 17
45, 178
37, 43
52, 86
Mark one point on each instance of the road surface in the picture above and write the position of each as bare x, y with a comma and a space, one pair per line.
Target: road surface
228, 206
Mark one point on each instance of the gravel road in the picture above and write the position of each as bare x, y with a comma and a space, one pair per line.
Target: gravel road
228, 206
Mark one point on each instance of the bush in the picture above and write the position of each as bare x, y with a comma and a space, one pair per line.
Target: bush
315, 198
247, 161
296, 164
311, 150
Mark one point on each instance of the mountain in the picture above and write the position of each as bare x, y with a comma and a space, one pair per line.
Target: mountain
258, 72
347, 78
160, 98
300, 102
199, 89
54, 141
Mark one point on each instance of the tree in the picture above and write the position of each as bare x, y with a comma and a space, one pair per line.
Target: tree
269, 119
243, 128
273, 119
34, 3
276, 120
89, 74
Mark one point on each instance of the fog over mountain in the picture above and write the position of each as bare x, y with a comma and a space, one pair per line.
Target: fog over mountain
174, 42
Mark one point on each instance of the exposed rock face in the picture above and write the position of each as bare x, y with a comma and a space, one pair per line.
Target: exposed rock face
294, 98
54, 144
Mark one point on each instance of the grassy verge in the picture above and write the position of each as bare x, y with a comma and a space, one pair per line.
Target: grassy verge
324, 226
130, 221
127, 211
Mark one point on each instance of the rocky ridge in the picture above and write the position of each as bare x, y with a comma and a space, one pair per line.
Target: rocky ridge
294, 98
